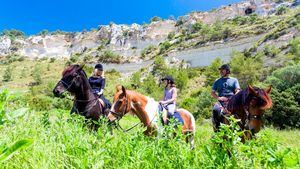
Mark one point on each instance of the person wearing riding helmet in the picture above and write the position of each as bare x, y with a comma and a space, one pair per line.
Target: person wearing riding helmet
226, 87
97, 82
169, 99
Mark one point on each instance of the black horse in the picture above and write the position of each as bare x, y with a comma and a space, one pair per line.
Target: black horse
75, 81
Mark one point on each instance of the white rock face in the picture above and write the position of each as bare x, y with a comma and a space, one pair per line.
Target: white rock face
125, 40
5, 44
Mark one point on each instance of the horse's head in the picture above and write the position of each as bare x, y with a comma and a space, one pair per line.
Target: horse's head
70, 81
120, 105
258, 101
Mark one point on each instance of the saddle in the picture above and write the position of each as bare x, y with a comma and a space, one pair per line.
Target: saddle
176, 118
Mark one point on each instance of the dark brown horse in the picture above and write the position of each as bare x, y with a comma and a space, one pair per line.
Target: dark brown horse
248, 106
75, 81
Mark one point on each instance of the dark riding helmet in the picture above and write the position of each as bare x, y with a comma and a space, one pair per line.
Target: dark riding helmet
225, 67
169, 78
99, 67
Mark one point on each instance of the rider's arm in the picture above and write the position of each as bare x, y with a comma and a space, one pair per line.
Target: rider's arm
214, 95
237, 87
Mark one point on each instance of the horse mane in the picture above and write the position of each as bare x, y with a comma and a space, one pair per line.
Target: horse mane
69, 69
242, 99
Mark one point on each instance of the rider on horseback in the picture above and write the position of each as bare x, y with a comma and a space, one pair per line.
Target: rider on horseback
226, 87
97, 82
169, 99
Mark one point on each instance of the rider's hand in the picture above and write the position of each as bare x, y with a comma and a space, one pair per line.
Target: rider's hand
224, 99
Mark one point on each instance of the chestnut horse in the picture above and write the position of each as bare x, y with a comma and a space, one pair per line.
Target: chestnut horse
146, 109
248, 106
75, 81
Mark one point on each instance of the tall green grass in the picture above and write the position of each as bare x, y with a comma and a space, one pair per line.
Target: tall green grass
65, 141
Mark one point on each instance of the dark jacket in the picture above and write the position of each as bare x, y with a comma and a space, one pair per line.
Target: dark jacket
97, 83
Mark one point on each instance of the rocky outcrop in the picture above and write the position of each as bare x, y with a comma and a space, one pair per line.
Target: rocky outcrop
5, 44
126, 40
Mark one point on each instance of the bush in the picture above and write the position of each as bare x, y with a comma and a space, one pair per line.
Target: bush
285, 78
109, 57
36, 74
155, 19
246, 70
212, 72
148, 51
13, 34
159, 66
271, 51
281, 10
197, 27
164, 47
285, 111
7, 76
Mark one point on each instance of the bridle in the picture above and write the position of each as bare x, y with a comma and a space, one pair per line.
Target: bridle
250, 116
68, 86
119, 115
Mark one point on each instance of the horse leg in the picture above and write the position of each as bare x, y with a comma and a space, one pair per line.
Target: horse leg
216, 121
189, 139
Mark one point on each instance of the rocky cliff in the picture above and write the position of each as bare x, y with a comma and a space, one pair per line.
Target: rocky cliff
126, 40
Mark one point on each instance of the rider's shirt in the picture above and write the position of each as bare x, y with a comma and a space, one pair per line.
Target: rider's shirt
226, 86
168, 94
97, 83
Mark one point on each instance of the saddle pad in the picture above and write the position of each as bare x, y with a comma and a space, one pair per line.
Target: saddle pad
178, 117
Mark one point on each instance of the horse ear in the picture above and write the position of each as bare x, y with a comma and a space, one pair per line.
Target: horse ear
251, 90
80, 67
268, 89
118, 88
124, 90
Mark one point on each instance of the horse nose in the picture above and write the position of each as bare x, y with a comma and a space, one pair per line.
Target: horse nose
55, 92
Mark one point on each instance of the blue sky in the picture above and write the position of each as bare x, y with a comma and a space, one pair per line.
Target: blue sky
32, 16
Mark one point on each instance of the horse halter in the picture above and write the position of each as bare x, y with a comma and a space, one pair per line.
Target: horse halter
66, 85
120, 115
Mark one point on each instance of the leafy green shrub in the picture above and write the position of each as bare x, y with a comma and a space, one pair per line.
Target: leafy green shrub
271, 51
285, 111
281, 10
163, 47
109, 57
7, 76
13, 34
295, 48
74, 58
246, 70
212, 72
285, 78
159, 66
148, 51
36, 74
155, 19
197, 27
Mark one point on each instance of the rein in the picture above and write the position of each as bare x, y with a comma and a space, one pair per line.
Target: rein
120, 115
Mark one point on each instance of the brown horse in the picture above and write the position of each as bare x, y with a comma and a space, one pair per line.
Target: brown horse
75, 81
146, 109
248, 106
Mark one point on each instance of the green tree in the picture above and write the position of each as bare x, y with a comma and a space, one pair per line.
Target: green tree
246, 70
285, 78
212, 72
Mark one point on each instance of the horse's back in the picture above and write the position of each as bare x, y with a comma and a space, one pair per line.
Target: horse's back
189, 120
